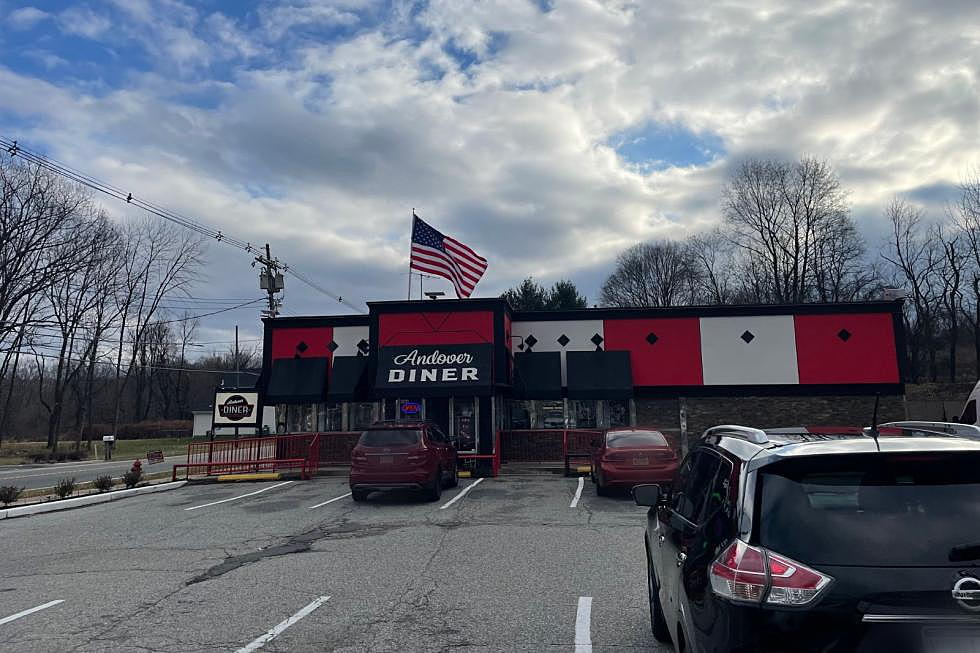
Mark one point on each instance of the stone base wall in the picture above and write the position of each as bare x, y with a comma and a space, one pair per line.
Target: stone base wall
765, 412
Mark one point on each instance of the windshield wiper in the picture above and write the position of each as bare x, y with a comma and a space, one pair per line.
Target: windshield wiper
965, 552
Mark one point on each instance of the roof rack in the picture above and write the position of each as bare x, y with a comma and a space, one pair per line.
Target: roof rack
753, 435
944, 428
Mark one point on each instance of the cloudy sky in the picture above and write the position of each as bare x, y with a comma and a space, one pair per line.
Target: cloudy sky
546, 134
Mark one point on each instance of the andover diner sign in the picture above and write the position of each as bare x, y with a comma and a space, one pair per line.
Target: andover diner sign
434, 369
235, 408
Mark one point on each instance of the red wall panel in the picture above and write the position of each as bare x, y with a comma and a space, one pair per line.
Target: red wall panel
846, 348
674, 358
286, 342
432, 328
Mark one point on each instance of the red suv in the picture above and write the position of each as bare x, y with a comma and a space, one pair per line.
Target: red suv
403, 455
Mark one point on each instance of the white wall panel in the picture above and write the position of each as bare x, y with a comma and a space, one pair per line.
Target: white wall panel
561, 336
749, 350
347, 338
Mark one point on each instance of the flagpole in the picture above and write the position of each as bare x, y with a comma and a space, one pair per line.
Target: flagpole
410, 256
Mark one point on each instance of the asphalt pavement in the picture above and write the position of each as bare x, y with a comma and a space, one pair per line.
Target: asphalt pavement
505, 564
48, 474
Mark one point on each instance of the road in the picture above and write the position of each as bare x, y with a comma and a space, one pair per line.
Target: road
505, 564
46, 475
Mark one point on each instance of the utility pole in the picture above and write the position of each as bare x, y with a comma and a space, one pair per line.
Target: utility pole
270, 280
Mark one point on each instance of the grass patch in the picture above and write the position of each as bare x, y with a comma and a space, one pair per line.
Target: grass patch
16, 453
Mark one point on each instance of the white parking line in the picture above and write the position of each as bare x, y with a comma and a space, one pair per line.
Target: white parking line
583, 625
461, 494
344, 496
278, 629
15, 617
578, 492
242, 496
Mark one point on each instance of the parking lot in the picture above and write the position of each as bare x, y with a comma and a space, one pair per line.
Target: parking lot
516, 563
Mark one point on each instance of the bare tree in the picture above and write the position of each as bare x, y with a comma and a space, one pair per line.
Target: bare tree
950, 273
159, 261
657, 273
965, 215
914, 260
713, 266
791, 223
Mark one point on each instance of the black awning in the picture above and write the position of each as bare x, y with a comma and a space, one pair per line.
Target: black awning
537, 375
348, 379
297, 381
599, 375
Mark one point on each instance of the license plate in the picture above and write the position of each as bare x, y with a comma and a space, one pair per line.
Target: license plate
386, 460
641, 461
951, 640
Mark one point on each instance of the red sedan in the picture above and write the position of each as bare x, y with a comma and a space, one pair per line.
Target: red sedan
628, 457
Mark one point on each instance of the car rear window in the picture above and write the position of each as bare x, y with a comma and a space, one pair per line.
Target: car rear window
874, 509
635, 439
389, 437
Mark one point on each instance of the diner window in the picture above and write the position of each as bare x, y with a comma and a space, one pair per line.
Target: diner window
301, 418
361, 415
330, 417
550, 414
617, 412
519, 412
584, 414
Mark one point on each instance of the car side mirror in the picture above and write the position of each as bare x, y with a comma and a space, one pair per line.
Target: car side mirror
646, 495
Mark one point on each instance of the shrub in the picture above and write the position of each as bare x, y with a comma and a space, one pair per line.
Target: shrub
65, 487
103, 483
58, 456
9, 494
134, 475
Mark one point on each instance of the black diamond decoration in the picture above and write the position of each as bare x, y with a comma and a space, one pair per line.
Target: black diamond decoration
563, 340
844, 335
302, 347
363, 346
530, 341
332, 346
652, 338
596, 340
748, 336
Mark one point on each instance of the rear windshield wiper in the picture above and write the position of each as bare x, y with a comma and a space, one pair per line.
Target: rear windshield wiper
965, 552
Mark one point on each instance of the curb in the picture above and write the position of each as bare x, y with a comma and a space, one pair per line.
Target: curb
92, 499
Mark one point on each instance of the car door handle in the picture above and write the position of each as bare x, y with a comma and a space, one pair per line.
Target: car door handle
681, 557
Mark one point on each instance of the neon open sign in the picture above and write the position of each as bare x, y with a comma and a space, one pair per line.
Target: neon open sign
411, 408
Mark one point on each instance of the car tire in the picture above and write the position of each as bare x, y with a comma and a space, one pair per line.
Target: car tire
359, 495
454, 479
600, 489
434, 492
658, 624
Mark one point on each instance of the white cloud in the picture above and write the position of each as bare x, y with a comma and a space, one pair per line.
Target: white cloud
493, 121
25, 17
83, 21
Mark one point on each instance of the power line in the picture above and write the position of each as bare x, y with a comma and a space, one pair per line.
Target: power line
48, 163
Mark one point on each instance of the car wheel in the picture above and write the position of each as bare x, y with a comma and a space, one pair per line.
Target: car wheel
435, 491
454, 479
657, 622
600, 489
359, 495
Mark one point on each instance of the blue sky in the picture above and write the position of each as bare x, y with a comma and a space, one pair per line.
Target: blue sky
547, 135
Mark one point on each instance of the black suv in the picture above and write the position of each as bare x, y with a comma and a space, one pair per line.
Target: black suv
818, 539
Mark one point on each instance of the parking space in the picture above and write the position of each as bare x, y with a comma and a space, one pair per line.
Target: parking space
497, 564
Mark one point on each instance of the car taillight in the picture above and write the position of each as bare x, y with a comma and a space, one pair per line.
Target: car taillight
358, 457
752, 574
415, 457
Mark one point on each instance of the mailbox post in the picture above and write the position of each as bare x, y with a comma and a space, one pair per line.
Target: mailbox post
109, 441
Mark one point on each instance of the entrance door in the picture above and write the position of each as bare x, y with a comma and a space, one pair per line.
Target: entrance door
465, 423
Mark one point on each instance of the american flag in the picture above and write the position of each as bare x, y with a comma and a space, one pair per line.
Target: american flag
434, 253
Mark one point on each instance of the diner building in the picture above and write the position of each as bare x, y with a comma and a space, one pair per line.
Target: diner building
479, 368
